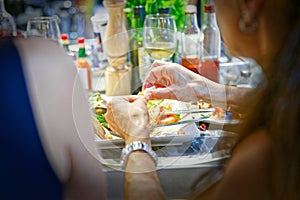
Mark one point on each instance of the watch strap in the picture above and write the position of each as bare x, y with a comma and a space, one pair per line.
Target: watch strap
137, 146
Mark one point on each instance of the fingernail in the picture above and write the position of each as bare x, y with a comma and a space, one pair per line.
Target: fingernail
147, 85
148, 95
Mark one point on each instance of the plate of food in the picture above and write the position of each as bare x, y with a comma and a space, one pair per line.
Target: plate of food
167, 117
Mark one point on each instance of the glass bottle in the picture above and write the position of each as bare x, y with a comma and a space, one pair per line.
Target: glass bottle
83, 66
191, 39
135, 44
152, 6
65, 42
7, 23
164, 10
211, 44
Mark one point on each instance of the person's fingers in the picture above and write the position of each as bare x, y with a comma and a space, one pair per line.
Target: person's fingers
142, 100
161, 93
186, 94
147, 85
120, 99
158, 63
159, 77
124, 116
132, 98
116, 106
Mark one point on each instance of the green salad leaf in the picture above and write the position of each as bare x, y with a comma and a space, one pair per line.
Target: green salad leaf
102, 120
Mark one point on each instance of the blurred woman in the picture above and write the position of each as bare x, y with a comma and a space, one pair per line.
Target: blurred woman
265, 162
47, 140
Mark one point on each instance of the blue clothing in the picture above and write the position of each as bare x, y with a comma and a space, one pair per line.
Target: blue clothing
25, 172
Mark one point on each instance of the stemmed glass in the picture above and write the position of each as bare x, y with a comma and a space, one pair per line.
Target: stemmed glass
7, 23
46, 27
159, 36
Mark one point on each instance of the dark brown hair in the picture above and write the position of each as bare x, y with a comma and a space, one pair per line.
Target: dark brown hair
276, 108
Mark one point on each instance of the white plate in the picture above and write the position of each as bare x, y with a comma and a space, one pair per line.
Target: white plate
174, 140
170, 140
176, 150
175, 162
221, 121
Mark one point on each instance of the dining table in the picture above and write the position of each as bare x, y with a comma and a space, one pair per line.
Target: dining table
186, 163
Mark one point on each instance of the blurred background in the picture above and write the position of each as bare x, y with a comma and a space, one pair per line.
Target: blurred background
74, 15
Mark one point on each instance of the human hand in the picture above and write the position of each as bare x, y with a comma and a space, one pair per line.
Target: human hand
128, 115
175, 82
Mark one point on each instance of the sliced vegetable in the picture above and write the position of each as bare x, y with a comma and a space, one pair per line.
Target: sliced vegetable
167, 119
102, 120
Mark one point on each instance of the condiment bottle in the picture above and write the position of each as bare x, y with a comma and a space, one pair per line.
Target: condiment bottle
66, 43
211, 44
191, 39
83, 66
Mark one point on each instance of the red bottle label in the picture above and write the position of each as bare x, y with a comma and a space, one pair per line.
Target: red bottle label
210, 70
191, 64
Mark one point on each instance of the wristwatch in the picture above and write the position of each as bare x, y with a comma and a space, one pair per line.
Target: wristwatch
137, 146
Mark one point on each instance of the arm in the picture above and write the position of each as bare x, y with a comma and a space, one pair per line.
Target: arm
236, 96
176, 82
247, 173
226, 97
63, 119
141, 180
129, 117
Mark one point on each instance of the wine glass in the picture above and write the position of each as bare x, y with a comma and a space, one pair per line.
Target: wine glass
46, 27
159, 36
7, 23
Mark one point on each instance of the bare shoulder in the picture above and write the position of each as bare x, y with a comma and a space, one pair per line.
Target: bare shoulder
256, 146
246, 175
248, 170
254, 150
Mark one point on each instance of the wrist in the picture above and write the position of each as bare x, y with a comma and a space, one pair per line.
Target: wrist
142, 135
133, 139
201, 90
137, 146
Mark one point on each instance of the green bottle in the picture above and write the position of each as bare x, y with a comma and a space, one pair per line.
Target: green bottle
135, 43
152, 6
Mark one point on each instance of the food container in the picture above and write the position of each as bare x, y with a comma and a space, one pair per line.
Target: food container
176, 150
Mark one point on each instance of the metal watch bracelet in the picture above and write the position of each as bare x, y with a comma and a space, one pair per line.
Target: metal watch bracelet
136, 146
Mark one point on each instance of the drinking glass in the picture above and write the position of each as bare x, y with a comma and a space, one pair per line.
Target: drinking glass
46, 27
7, 23
159, 36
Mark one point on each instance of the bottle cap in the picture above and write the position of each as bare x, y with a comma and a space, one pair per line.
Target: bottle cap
138, 11
64, 36
80, 40
208, 8
164, 10
190, 9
